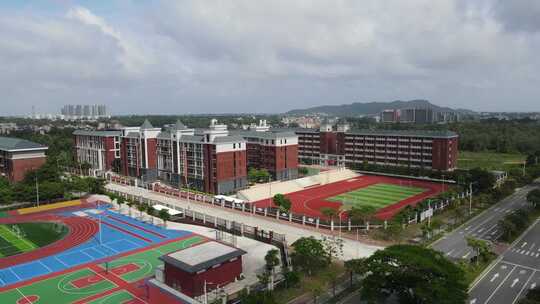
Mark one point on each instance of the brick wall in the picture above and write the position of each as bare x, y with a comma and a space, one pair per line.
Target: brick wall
18, 167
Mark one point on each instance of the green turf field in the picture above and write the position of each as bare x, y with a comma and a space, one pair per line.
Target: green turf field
11, 243
60, 289
24, 237
376, 196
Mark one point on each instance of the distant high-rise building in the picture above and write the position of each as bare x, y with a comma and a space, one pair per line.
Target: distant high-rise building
84, 111
390, 116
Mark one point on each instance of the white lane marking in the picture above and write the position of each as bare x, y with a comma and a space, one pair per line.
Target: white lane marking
504, 266
500, 284
516, 280
473, 301
480, 230
495, 231
466, 255
533, 286
495, 276
468, 228
450, 252
523, 288
537, 254
524, 244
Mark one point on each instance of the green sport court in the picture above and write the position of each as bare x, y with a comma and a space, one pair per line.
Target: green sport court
376, 196
114, 282
11, 243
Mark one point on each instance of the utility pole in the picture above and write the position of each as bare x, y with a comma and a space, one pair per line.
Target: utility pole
470, 198
37, 190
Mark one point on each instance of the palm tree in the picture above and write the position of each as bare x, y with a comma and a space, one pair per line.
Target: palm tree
141, 207
164, 215
120, 201
151, 212
272, 260
130, 204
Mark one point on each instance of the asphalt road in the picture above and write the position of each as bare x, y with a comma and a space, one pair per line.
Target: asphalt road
517, 271
483, 226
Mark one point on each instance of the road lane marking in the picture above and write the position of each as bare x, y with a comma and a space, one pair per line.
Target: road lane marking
516, 280
473, 301
524, 286
524, 244
466, 255
500, 284
495, 276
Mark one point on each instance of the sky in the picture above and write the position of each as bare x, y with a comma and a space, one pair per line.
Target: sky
184, 57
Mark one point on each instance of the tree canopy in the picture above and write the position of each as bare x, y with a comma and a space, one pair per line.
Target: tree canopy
414, 275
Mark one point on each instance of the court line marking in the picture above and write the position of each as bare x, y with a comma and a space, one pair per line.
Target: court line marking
50, 270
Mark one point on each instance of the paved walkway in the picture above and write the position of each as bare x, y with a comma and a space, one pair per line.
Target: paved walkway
351, 248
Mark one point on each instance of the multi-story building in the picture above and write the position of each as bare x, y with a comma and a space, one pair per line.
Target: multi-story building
390, 116
209, 160
138, 151
84, 111
275, 151
18, 156
341, 146
100, 149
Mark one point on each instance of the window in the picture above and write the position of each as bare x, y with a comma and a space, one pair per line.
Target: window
234, 146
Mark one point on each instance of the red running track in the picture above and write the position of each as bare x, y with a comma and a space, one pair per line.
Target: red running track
310, 201
80, 230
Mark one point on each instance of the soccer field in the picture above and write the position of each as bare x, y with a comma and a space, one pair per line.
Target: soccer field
11, 243
376, 196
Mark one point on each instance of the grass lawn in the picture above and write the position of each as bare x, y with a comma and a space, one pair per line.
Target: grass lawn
376, 196
489, 160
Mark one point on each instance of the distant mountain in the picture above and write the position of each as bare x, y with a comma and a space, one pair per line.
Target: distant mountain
358, 108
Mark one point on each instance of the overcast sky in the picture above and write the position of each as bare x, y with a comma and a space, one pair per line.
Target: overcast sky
179, 57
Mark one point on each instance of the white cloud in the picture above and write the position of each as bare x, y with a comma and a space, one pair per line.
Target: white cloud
197, 56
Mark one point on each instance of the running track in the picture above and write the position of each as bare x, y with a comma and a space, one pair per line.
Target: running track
310, 200
80, 230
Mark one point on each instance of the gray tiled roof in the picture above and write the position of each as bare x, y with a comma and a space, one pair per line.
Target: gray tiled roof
14, 144
227, 139
146, 125
98, 132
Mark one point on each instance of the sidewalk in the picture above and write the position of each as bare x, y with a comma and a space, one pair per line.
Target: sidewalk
351, 248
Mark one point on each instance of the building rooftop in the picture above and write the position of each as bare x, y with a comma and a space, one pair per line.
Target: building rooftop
16, 144
272, 134
98, 132
418, 133
146, 125
201, 257
382, 132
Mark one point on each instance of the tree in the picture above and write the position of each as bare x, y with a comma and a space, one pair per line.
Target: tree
309, 255
331, 275
355, 266
282, 202
130, 204
257, 297
533, 197
413, 274
303, 171
141, 207
164, 215
151, 212
316, 289
120, 201
272, 260
361, 214
481, 247
329, 212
